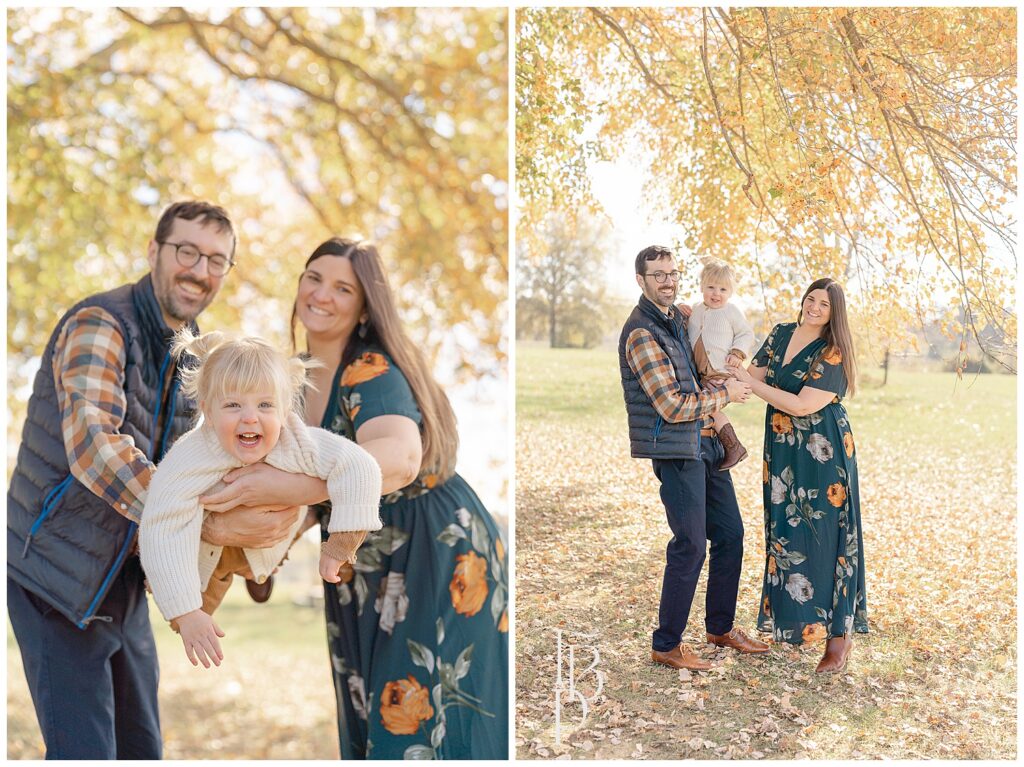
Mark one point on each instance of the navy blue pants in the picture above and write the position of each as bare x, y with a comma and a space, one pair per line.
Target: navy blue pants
94, 691
700, 504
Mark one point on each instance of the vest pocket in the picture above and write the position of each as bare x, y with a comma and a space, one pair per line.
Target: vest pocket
49, 504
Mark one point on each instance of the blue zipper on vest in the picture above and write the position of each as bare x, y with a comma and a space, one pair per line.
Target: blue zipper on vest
132, 527
48, 505
106, 581
657, 428
156, 413
170, 422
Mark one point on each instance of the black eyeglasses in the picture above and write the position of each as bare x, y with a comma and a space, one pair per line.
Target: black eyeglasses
188, 256
660, 277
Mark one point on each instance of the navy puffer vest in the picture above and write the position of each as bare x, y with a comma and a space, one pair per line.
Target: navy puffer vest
650, 436
65, 544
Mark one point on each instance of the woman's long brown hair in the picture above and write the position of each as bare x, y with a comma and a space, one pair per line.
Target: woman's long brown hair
837, 333
384, 329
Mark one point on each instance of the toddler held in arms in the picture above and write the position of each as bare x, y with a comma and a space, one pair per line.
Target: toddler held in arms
720, 335
249, 393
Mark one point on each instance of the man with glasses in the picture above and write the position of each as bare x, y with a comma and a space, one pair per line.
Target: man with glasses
105, 406
669, 418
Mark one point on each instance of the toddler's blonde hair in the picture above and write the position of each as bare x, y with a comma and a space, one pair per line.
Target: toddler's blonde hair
246, 364
717, 269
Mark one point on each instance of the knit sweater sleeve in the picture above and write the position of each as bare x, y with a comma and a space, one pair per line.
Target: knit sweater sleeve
353, 475
172, 522
742, 333
694, 323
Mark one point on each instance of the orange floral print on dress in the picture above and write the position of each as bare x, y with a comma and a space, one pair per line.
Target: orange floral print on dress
403, 705
365, 368
814, 632
781, 424
772, 568
836, 495
503, 623
469, 584
833, 357
848, 444
765, 474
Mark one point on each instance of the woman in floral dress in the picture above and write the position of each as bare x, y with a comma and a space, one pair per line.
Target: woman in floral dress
814, 566
418, 627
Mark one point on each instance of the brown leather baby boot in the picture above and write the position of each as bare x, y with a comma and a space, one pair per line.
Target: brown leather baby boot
260, 592
734, 450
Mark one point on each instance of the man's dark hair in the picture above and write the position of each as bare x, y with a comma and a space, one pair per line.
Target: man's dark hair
190, 210
651, 253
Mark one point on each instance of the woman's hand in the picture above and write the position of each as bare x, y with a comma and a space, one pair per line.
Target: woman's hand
685, 310
739, 391
200, 635
741, 373
250, 527
262, 485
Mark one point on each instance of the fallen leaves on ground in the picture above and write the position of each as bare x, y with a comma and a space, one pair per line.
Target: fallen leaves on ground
935, 678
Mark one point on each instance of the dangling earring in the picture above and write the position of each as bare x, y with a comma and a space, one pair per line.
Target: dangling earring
364, 327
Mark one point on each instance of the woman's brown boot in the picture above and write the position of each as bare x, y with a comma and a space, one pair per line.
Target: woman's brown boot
734, 450
837, 650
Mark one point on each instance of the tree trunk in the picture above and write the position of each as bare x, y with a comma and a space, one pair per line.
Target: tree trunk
552, 322
885, 367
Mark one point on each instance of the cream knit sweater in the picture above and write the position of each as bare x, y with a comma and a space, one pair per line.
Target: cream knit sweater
172, 519
722, 329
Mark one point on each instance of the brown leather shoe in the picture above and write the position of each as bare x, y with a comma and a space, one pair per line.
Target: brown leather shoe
737, 640
681, 656
734, 450
837, 651
260, 592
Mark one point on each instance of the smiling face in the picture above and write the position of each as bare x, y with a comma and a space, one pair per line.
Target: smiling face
183, 292
817, 309
247, 424
716, 293
330, 302
662, 294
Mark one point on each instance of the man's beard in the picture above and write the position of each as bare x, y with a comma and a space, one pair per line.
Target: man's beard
169, 303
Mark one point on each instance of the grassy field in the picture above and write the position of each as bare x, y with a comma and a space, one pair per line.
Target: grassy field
271, 698
935, 678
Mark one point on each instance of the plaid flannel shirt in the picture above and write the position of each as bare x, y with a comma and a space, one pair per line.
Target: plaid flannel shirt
657, 378
89, 361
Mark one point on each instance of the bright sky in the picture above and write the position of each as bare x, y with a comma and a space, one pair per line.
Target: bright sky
618, 186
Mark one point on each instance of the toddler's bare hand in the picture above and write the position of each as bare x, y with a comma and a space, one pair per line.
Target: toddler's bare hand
200, 635
330, 568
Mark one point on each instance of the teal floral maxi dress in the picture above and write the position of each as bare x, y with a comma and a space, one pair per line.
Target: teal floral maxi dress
814, 563
418, 628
